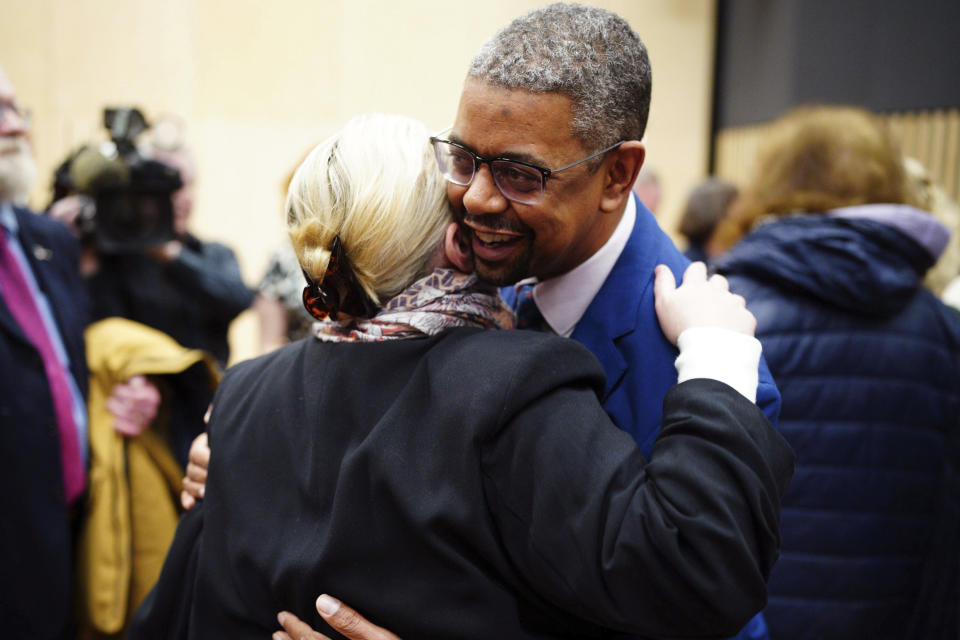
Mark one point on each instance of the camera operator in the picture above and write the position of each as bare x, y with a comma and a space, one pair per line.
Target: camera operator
176, 283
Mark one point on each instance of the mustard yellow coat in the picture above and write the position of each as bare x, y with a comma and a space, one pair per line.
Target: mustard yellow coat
134, 482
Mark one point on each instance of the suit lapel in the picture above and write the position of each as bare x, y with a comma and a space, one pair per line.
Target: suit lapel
614, 311
9, 324
39, 267
592, 333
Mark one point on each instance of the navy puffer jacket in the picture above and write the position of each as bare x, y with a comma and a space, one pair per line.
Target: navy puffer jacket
868, 364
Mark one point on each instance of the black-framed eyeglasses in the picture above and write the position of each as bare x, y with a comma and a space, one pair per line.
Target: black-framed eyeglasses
519, 181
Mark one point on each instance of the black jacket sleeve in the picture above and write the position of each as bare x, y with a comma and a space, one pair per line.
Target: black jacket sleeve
680, 545
165, 612
211, 270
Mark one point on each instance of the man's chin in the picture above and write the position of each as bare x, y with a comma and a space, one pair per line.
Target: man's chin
17, 172
502, 274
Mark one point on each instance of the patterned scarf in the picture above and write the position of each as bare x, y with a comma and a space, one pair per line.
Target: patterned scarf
445, 298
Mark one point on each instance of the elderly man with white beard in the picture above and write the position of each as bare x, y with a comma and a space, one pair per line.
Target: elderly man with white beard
44, 450
43, 416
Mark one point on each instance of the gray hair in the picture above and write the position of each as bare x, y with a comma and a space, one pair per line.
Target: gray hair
588, 54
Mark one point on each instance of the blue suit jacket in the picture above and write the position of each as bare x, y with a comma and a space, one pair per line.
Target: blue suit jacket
35, 535
620, 328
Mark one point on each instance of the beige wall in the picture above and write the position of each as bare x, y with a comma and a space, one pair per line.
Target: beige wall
259, 83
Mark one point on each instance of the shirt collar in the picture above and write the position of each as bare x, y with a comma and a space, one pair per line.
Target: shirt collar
8, 220
564, 299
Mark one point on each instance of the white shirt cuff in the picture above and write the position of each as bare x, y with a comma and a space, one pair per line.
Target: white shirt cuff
720, 354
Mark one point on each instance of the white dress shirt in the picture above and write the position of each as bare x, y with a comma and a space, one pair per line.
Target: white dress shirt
564, 299
705, 352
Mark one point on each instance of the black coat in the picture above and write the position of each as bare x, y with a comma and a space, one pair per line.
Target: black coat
470, 485
35, 528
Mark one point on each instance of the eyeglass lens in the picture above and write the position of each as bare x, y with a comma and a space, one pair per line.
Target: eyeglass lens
516, 181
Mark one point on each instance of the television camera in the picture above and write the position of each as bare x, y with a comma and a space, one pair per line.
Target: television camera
125, 197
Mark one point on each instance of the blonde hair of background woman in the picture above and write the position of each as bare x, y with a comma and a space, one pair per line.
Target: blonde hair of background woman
814, 159
376, 185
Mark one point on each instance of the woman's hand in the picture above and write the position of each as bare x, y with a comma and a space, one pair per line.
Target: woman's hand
195, 481
698, 302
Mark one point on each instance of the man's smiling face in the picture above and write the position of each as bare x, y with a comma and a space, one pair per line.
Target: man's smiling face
512, 241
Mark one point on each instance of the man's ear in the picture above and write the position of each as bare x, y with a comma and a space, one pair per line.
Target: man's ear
457, 247
622, 169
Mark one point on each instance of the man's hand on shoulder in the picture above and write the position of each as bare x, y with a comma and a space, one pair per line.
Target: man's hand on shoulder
342, 618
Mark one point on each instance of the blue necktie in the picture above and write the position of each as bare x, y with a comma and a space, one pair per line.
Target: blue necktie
528, 314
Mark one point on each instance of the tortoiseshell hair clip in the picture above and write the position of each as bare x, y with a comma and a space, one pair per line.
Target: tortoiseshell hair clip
338, 291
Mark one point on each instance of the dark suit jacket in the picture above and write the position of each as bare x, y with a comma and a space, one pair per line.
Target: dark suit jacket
620, 328
470, 485
35, 538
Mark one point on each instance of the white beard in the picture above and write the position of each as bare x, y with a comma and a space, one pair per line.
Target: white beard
17, 170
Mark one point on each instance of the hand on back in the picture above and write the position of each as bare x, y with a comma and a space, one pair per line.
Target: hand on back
339, 616
196, 478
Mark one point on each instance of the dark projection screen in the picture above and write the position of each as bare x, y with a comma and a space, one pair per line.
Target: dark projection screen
885, 55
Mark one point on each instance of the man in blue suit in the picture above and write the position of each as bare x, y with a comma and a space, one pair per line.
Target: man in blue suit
540, 160
42, 388
568, 86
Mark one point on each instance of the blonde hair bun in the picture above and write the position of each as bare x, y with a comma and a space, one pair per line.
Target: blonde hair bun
376, 185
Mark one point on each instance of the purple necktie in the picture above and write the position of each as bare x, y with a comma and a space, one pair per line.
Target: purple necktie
16, 293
